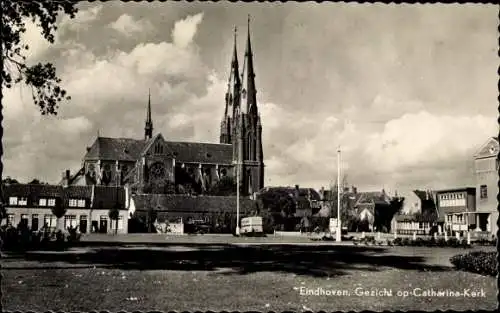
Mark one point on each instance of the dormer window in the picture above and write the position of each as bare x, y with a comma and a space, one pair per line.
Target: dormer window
80, 203
13, 200
42, 202
51, 202
22, 201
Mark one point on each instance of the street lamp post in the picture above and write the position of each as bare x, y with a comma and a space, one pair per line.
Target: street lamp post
339, 225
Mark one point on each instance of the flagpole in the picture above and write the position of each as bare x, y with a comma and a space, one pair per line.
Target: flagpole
237, 199
339, 229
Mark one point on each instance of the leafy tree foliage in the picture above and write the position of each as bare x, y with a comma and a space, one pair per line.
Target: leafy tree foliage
226, 186
385, 213
59, 209
42, 78
114, 214
36, 181
9, 181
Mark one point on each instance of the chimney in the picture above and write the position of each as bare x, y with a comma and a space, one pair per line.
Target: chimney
65, 178
88, 149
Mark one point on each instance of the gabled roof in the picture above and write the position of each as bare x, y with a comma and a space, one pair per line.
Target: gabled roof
372, 197
34, 191
484, 150
149, 143
122, 149
198, 152
185, 203
106, 197
126, 149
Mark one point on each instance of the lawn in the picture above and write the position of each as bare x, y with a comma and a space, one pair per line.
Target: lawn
218, 276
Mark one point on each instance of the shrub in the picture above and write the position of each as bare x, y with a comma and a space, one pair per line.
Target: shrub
23, 239
480, 262
453, 242
398, 241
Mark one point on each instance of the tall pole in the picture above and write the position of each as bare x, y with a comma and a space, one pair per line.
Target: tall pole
339, 229
237, 198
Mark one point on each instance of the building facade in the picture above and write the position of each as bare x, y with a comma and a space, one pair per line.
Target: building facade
419, 214
458, 206
486, 174
86, 207
156, 165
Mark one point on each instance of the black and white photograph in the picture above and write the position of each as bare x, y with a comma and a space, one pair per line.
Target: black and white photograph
231, 156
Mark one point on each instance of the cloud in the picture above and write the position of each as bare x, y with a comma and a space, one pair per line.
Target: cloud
184, 30
128, 26
371, 80
82, 19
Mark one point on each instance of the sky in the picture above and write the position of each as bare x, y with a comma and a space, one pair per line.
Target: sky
409, 92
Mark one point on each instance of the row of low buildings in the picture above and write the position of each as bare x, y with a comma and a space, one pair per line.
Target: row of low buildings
88, 207
457, 209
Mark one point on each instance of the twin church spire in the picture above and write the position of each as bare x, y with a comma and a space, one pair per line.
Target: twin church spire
241, 95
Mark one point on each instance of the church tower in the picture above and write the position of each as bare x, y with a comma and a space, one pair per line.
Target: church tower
227, 131
148, 129
249, 126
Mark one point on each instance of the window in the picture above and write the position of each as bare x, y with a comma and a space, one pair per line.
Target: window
42, 202
10, 219
73, 202
69, 221
22, 201
484, 192
52, 202
158, 149
13, 200
120, 222
50, 220
81, 203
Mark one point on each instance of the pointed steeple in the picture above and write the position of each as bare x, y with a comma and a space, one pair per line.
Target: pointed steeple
148, 129
232, 97
248, 77
234, 83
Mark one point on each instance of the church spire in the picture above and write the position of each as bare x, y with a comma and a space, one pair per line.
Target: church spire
148, 129
232, 97
248, 75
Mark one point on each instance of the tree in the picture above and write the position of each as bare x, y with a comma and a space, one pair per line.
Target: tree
385, 213
349, 215
9, 181
59, 210
41, 78
114, 214
36, 181
226, 186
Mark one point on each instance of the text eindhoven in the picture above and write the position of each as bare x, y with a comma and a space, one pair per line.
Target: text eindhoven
384, 292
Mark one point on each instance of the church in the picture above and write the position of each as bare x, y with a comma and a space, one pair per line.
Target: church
155, 164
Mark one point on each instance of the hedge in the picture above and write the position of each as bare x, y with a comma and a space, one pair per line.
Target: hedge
480, 262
